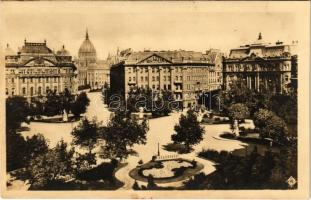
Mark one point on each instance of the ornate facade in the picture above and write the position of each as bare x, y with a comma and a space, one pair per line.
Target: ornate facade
261, 66
91, 71
186, 73
35, 69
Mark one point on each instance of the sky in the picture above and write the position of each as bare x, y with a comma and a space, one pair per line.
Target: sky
195, 26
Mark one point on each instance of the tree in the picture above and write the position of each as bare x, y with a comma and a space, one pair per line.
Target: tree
52, 104
36, 107
51, 167
238, 112
271, 126
188, 131
85, 135
17, 110
36, 145
15, 150
79, 106
66, 99
121, 134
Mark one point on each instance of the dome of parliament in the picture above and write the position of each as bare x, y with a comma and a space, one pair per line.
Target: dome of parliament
87, 50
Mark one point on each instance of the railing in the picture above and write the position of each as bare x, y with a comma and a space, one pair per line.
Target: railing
167, 157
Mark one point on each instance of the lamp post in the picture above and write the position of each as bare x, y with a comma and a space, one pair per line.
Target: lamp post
158, 149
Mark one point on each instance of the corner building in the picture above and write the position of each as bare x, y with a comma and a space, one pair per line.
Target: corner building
261, 66
186, 73
36, 69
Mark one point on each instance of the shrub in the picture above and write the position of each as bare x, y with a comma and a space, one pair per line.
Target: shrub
103, 171
135, 186
227, 135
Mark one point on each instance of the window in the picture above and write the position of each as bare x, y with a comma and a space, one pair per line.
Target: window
6, 91
12, 80
146, 78
153, 86
24, 91
31, 91
146, 70
152, 70
39, 90
55, 88
134, 78
153, 79
164, 86
169, 86
180, 78
176, 78
47, 89
141, 79
31, 80
286, 78
130, 78
23, 80
158, 78
164, 78
39, 80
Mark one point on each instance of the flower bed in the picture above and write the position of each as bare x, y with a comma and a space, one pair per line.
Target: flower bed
166, 171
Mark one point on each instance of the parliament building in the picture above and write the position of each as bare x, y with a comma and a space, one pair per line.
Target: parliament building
35, 69
262, 66
186, 73
92, 73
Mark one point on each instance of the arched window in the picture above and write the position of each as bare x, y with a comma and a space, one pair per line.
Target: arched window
47, 89
24, 91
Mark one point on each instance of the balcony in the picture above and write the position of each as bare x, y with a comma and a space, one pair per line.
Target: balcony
178, 90
177, 81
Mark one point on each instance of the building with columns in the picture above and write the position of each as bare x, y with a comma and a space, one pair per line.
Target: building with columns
36, 69
186, 73
92, 72
261, 66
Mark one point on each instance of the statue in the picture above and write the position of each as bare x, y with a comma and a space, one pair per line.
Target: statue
236, 130
65, 116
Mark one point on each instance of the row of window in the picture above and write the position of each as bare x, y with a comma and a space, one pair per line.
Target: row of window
31, 92
153, 69
38, 91
39, 80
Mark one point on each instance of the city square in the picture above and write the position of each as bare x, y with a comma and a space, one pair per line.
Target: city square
114, 109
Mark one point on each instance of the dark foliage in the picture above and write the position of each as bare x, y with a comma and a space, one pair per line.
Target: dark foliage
254, 171
104, 171
17, 110
79, 106
188, 131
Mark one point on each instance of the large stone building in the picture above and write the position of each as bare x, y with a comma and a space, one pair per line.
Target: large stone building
92, 72
36, 69
261, 66
186, 73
